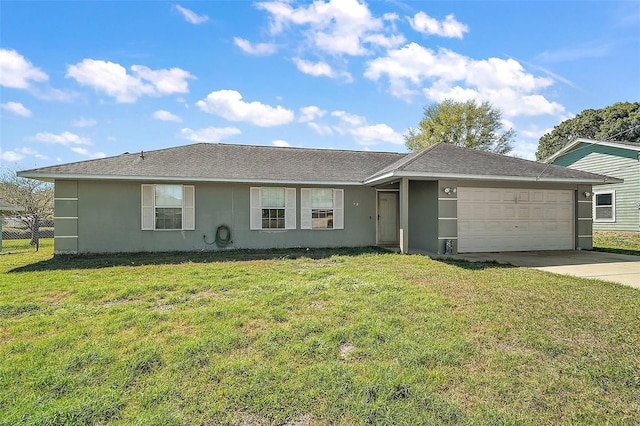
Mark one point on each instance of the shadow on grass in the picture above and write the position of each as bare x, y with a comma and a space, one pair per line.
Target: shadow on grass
96, 261
474, 266
617, 250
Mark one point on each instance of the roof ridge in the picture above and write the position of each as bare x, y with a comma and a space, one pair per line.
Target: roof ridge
415, 155
301, 148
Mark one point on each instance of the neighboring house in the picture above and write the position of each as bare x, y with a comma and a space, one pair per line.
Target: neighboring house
442, 199
616, 207
6, 207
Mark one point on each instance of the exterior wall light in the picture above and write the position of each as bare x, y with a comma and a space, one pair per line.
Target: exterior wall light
587, 194
448, 190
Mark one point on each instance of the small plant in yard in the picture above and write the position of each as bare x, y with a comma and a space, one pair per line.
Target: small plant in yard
354, 336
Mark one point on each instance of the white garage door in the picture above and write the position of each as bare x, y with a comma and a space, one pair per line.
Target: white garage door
501, 219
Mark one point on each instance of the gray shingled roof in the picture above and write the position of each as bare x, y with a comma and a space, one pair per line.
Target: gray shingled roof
246, 163
442, 160
222, 162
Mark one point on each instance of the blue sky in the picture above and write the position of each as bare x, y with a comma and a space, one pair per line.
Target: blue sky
87, 79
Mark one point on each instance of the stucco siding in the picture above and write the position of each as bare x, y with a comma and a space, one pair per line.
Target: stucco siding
423, 216
614, 162
65, 216
110, 220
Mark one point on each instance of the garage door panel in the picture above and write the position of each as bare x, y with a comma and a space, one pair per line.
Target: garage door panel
565, 213
565, 197
523, 211
501, 219
537, 196
537, 212
509, 212
464, 212
508, 195
493, 196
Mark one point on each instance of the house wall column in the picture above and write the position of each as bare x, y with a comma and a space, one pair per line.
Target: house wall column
404, 215
447, 216
65, 216
584, 219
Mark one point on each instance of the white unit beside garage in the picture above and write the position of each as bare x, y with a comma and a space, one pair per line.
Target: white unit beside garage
506, 219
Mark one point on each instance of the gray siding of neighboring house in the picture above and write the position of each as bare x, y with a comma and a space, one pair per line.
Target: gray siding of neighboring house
105, 216
614, 162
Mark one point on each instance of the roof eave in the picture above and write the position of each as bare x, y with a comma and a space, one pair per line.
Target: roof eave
70, 176
400, 174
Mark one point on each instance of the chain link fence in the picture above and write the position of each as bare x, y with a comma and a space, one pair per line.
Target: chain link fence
18, 237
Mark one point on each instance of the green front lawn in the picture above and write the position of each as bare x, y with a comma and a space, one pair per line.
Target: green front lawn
617, 242
298, 338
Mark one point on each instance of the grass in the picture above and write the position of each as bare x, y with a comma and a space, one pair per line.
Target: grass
356, 336
617, 242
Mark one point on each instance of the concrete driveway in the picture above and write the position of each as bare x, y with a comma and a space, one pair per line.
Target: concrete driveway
619, 268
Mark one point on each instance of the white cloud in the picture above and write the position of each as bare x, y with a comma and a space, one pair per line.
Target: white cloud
281, 143
374, 134
258, 49
534, 132
336, 27
447, 74
113, 79
163, 115
348, 118
64, 138
209, 134
28, 151
310, 113
84, 122
17, 72
315, 69
320, 69
357, 127
321, 129
190, 16
86, 153
425, 24
16, 108
229, 104
165, 81
10, 156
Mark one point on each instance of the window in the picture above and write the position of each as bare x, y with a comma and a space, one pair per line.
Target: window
273, 208
604, 207
322, 208
168, 207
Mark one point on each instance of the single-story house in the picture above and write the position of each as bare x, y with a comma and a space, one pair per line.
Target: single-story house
616, 207
443, 199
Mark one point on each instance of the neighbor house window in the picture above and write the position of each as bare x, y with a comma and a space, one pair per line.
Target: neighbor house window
273, 208
168, 207
604, 207
321, 208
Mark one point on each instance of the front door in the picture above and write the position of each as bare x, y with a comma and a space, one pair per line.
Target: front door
388, 227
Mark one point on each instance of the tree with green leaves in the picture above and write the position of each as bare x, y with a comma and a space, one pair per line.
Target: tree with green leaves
617, 122
464, 124
35, 197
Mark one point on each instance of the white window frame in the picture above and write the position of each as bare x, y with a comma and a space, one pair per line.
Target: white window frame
255, 196
613, 207
148, 208
306, 209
